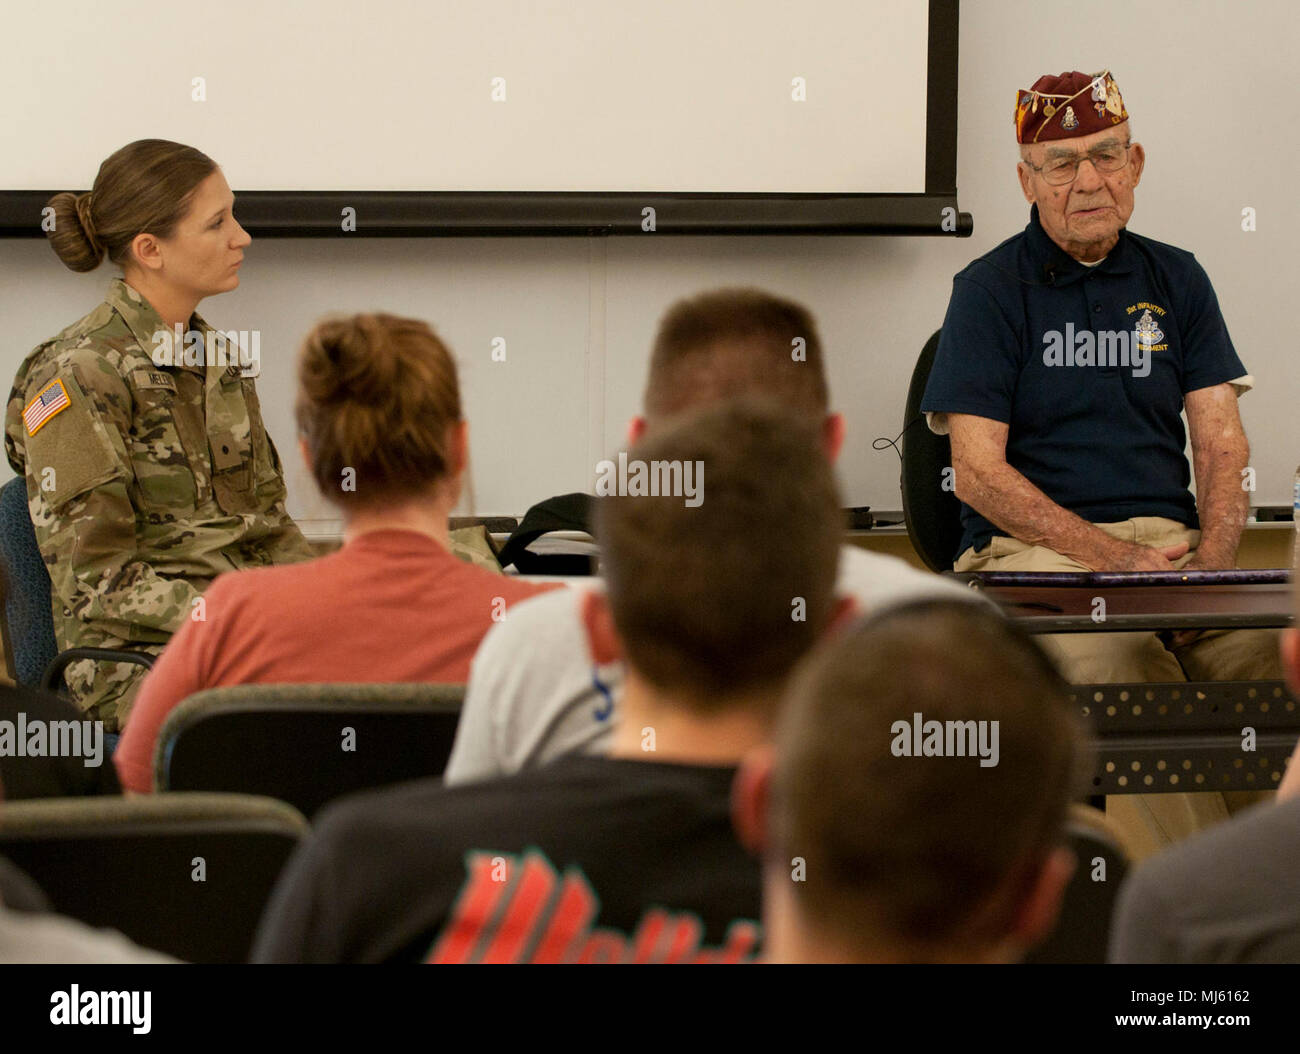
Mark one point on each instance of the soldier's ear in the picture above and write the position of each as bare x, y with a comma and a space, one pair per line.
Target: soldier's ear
306, 457
146, 251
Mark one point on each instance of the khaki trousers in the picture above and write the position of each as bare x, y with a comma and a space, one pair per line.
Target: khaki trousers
1148, 821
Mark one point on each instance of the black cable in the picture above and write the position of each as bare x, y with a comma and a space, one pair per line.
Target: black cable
880, 442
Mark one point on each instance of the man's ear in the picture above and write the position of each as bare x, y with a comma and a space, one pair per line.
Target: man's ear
751, 798
843, 614
1137, 158
635, 430
833, 436
1026, 175
306, 457
1039, 912
602, 636
1290, 647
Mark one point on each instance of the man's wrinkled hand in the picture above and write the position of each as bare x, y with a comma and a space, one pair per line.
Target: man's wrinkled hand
1132, 557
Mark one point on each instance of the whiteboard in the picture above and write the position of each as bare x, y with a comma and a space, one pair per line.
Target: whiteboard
513, 95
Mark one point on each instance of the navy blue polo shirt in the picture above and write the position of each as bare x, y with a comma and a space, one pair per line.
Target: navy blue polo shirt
1088, 367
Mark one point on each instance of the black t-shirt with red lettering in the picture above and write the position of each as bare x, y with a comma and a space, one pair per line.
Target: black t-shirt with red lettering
586, 860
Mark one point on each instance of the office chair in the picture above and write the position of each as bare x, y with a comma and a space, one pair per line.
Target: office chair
184, 874
27, 626
932, 513
307, 743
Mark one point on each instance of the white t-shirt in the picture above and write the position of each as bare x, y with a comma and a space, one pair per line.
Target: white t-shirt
535, 694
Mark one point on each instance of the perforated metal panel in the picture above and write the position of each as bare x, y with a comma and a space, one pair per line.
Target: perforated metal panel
1189, 736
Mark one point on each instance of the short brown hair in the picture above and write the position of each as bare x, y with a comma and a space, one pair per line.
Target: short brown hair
922, 852
144, 188
377, 394
734, 342
723, 599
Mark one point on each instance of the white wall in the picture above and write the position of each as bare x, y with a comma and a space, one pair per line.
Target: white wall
1209, 88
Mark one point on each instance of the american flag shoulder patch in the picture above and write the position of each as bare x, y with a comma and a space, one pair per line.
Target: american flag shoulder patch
51, 399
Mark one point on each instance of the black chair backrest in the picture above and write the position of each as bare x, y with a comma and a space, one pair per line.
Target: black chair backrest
307, 743
28, 620
184, 874
930, 507
1083, 929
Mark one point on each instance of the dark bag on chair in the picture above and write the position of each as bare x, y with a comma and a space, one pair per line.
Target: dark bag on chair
566, 512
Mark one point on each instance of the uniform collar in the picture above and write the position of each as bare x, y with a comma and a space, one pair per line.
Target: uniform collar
1051, 259
143, 321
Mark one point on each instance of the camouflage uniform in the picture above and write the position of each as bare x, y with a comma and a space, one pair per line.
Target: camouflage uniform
148, 483
472, 545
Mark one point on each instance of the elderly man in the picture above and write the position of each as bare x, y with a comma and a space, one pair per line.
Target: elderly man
1067, 355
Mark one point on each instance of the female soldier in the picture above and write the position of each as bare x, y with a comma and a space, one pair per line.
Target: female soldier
144, 480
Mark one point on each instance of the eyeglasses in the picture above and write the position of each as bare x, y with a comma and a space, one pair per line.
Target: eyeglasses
1062, 170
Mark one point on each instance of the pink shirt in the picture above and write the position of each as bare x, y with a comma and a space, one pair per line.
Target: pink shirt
390, 606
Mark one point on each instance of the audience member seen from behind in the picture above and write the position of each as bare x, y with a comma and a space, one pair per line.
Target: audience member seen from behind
629, 857
541, 686
876, 848
1229, 894
379, 415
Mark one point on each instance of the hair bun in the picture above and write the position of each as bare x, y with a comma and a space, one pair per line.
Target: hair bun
371, 364
73, 236
348, 361
87, 223
377, 393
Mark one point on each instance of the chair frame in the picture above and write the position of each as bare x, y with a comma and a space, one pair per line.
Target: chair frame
342, 698
64, 823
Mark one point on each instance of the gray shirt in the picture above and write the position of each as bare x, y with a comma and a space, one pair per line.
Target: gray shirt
30, 933
41, 938
1228, 895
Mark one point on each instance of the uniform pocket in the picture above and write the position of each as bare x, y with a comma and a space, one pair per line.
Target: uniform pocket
164, 470
268, 470
233, 442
